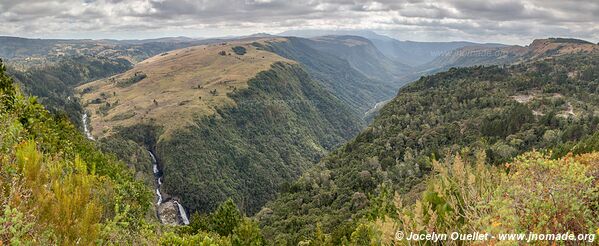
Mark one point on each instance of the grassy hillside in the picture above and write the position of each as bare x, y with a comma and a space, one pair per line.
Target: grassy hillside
171, 89
502, 111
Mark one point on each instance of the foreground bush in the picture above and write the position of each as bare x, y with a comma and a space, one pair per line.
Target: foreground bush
533, 194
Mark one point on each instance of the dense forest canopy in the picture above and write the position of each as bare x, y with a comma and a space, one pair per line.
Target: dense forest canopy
500, 110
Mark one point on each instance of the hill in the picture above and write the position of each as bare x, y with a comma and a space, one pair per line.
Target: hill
58, 188
226, 120
172, 88
362, 55
482, 55
502, 111
337, 75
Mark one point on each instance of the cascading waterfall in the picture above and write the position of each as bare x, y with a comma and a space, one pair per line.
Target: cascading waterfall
159, 197
88, 134
182, 213
157, 175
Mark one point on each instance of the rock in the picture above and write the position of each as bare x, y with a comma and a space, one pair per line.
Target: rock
169, 213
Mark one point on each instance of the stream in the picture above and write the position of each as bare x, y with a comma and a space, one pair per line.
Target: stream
158, 175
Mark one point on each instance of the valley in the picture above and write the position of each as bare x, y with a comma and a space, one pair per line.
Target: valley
285, 140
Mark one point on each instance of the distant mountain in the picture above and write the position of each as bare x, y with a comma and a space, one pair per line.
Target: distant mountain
411, 53
418, 53
485, 55
362, 55
24, 53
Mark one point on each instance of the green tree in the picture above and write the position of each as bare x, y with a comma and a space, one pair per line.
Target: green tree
226, 218
247, 233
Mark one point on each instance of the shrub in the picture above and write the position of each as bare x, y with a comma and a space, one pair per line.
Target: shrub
239, 50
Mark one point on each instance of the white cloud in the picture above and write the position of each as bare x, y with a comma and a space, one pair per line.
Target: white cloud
512, 21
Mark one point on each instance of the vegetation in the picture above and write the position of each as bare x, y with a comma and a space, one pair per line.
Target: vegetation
53, 84
490, 149
462, 110
56, 184
281, 124
239, 50
136, 77
532, 194
225, 226
353, 88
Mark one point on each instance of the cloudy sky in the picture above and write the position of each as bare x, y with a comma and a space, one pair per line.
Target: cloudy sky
506, 21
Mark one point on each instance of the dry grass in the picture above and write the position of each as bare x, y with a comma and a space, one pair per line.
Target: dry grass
177, 88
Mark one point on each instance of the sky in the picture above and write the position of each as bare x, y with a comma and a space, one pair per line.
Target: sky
502, 21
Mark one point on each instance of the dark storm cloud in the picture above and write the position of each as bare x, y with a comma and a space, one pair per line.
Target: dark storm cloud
501, 20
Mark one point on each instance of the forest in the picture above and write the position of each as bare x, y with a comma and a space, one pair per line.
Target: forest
280, 125
462, 111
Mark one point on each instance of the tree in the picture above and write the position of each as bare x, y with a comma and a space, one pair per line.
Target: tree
226, 218
247, 233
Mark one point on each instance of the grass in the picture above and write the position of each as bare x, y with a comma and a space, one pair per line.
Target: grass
179, 86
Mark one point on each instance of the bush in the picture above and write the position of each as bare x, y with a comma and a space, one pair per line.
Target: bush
239, 50
532, 194
138, 76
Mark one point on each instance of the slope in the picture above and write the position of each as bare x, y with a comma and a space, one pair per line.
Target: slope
500, 110
224, 120
362, 55
336, 74
55, 184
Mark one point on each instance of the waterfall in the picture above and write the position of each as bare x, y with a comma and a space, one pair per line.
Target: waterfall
157, 175
182, 213
159, 197
88, 134
154, 165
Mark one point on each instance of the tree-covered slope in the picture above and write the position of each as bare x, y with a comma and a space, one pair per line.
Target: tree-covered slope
362, 55
336, 74
502, 111
281, 124
53, 84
